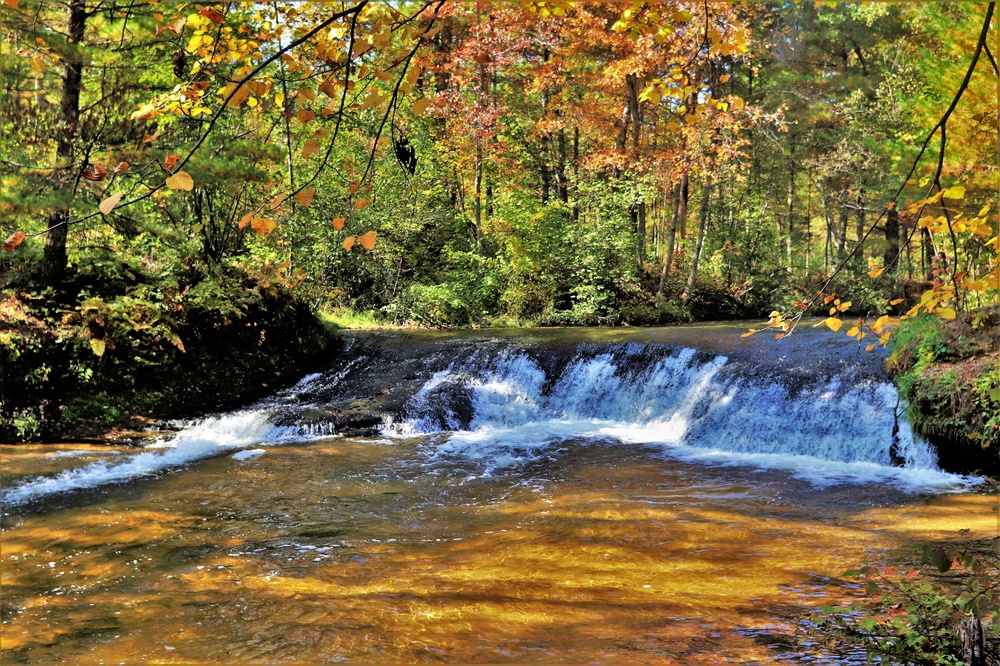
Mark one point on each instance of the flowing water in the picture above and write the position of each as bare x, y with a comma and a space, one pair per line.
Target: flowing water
647, 496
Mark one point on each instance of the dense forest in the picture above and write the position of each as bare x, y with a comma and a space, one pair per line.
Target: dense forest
186, 183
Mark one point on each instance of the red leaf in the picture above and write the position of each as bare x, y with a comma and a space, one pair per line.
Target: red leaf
213, 15
95, 172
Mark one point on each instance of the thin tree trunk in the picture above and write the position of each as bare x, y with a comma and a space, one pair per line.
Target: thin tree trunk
671, 236
700, 243
891, 240
682, 214
54, 257
789, 227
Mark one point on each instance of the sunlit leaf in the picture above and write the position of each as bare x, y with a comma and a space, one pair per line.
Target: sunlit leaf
946, 313
338, 223
109, 204
310, 147
420, 106
896, 301
170, 161
833, 323
263, 226
305, 197
367, 240
955, 192
348, 243
181, 181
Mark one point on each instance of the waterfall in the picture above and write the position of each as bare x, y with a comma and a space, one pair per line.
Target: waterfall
498, 402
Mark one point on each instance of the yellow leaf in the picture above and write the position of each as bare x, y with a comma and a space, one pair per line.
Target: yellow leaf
368, 240
946, 313
833, 324
307, 93
420, 106
97, 346
361, 203
851, 332
338, 223
896, 301
748, 333
310, 147
875, 272
181, 181
844, 306
348, 243
263, 226
954, 192
109, 204
305, 197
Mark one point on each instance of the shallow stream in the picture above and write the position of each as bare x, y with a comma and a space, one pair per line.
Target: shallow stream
538, 498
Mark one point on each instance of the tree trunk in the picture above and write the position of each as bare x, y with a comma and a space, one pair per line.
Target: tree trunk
700, 243
54, 256
671, 236
891, 240
789, 227
682, 215
973, 642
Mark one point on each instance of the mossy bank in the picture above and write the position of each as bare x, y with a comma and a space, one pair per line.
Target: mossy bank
949, 374
109, 351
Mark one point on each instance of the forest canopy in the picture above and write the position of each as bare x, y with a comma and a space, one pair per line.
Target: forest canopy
471, 162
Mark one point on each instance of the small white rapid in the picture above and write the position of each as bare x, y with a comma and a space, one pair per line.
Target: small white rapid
688, 407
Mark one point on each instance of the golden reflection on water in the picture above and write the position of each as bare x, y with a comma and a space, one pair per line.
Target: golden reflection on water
351, 551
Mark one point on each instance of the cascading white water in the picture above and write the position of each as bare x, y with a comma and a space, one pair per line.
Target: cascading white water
496, 407
826, 432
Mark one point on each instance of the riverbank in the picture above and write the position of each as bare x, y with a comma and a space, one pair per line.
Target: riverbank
107, 360
949, 374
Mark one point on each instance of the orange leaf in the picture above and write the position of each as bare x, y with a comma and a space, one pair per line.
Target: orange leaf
109, 204
13, 241
338, 223
305, 197
149, 138
354, 187
122, 167
348, 243
180, 181
277, 201
368, 240
263, 226
829, 298
896, 301
483, 58
310, 147
361, 203
305, 115
245, 220
171, 161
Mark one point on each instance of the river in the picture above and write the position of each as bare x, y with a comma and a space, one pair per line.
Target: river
657, 496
